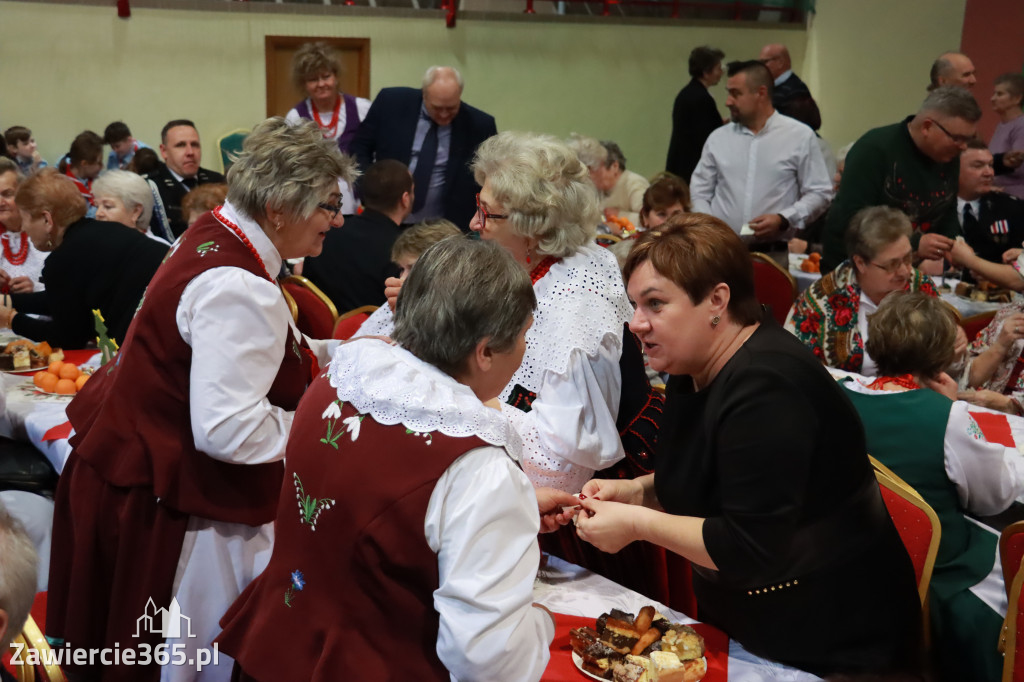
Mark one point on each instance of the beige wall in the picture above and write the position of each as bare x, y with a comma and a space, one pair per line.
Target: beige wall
71, 67
867, 61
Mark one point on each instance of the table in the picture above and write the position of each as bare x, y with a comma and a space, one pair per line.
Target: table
964, 306
803, 279
567, 588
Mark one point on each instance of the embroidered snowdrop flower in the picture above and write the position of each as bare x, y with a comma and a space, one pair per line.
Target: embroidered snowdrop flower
333, 411
353, 423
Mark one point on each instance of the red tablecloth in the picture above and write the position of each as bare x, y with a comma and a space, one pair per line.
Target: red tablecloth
562, 669
995, 427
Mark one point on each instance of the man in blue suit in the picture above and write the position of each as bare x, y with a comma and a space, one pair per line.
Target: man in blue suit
435, 134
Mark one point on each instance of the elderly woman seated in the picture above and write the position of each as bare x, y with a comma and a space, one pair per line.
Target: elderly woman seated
621, 190
124, 197
413, 549
993, 374
928, 438
831, 316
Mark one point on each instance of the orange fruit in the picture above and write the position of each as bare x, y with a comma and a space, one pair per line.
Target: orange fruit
80, 381
46, 381
37, 378
69, 371
66, 387
54, 367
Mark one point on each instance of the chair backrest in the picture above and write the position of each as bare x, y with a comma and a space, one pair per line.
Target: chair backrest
975, 323
1011, 640
918, 526
349, 323
230, 144
773, 286
1011, 551
32, 637
316, 312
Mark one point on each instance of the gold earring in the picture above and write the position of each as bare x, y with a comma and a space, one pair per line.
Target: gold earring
715, 320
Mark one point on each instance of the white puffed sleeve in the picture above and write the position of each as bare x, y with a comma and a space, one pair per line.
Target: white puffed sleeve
988, 476
237, 325
482, 521
570, 431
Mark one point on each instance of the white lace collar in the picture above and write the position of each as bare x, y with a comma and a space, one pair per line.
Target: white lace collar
395, 387
260, 241
580, 302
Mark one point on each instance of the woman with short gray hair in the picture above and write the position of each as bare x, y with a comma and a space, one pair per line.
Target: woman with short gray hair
177, 461
538, 202
124, 197
415, 457
831, 316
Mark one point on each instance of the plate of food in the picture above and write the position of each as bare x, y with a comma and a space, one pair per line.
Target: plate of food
644, 648
983, 292
61, 378
24, 356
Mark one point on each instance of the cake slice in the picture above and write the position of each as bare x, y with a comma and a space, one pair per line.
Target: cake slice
633, 669
620, 635
684, 642
581, 638
598, 659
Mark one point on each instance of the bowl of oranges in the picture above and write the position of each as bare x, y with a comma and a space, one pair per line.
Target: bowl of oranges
60, 378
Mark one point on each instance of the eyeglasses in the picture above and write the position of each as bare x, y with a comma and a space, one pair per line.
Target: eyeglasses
959, 139
333, 209
893, 266
484, 215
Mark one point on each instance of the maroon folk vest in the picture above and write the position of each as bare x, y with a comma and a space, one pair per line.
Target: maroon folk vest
132, 419
348, 593
351, 119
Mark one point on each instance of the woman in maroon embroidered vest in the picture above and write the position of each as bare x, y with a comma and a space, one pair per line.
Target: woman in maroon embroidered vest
172, 484
412, 550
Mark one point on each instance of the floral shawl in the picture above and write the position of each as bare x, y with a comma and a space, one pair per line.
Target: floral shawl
824, 317
1000, 379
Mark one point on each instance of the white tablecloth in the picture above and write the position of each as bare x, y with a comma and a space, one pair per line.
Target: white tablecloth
575, 591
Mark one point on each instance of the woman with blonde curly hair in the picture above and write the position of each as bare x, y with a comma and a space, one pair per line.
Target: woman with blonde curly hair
172, 484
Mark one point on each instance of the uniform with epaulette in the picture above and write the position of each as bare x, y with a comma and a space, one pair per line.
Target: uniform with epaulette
994, 223
170, 193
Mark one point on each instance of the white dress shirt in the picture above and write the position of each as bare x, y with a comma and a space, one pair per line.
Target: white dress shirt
779, 170
975, 208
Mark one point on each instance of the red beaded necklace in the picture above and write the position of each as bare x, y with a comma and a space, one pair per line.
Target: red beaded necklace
905, 380
331, 129
9, 256
241, 235
542, 268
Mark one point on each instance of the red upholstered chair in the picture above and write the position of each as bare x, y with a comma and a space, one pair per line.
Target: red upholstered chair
315, 314
1011, 551
1012, 640
349, 323
917, 524
773, 286
975, 323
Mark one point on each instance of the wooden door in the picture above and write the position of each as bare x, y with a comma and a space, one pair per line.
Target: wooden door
282, 94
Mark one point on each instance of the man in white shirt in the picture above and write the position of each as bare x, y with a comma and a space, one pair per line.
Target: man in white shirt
763, 174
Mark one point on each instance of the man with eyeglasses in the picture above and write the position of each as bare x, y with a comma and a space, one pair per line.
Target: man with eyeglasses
356, 259
914, 166
790, 92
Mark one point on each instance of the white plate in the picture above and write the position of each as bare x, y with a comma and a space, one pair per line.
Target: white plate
26, 372
578, 661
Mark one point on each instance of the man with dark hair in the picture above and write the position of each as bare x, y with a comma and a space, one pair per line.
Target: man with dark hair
992, 222
180, 173
952, 68
356, 259
913, 165
763, 174
122, 145
694, 114
435, 134
791, 96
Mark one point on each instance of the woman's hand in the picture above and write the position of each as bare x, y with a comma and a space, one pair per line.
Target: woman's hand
556, 508
21, 285
392, 285
961, 253
989, 399
1011, 332
609, 526
943, 384
1011, 255
614, 490
7, 316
